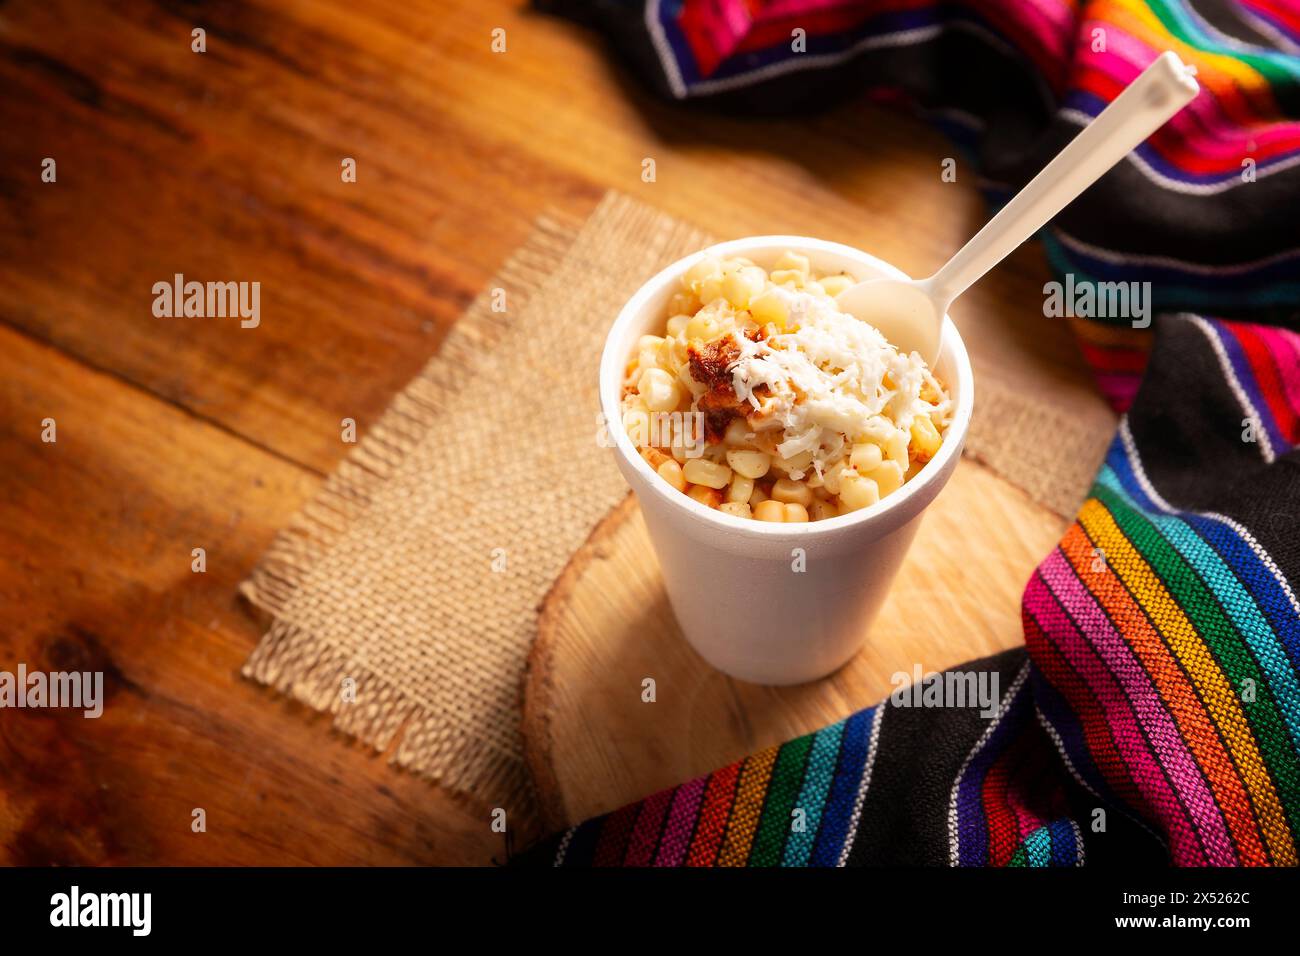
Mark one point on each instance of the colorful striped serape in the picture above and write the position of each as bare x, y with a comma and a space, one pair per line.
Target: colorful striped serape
1207, 210
1154, 712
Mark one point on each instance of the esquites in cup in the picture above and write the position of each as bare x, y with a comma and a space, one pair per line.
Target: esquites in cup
763, 400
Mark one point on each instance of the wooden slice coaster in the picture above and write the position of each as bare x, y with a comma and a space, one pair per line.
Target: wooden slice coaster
592, 742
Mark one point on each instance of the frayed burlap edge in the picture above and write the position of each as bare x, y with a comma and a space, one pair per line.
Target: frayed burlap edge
294, 662
1049, 450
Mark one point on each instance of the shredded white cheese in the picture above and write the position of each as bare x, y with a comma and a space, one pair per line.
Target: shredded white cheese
832, 378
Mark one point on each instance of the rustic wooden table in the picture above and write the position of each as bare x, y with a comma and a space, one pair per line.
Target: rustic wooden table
183, 433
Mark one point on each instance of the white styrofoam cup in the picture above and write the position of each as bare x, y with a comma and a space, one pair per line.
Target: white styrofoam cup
733, 582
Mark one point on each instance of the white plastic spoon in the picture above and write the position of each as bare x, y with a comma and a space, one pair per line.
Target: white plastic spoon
909, 312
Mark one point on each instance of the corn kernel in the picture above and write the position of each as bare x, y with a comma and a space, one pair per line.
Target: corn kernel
658, 389
857, 492
770, 511
888, 476
925, 437
677, 357
636, 422
764, 440
742, 285
741, 489
738, 508
878, 429
654, 457
795, 513
895, 446
866, 456
792, 260
769, 307
649, 350
710, 289
791, 277
834, 285
795, 464
703, 325
706, 267
831, 476
671, 472
737, 434
821, 510
791, 491
751, 464
709, 497
683, 303
711, 474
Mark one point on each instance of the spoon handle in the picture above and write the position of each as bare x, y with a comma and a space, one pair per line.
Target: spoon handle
1165, 87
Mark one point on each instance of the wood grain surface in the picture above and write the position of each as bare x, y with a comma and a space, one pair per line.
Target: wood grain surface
593, 743
191, 432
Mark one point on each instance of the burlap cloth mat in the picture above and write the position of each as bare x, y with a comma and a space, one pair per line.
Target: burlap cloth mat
404, 596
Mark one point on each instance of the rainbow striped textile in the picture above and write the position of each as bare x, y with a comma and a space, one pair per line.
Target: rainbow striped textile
1153, 714
1158, 691
1035, 71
